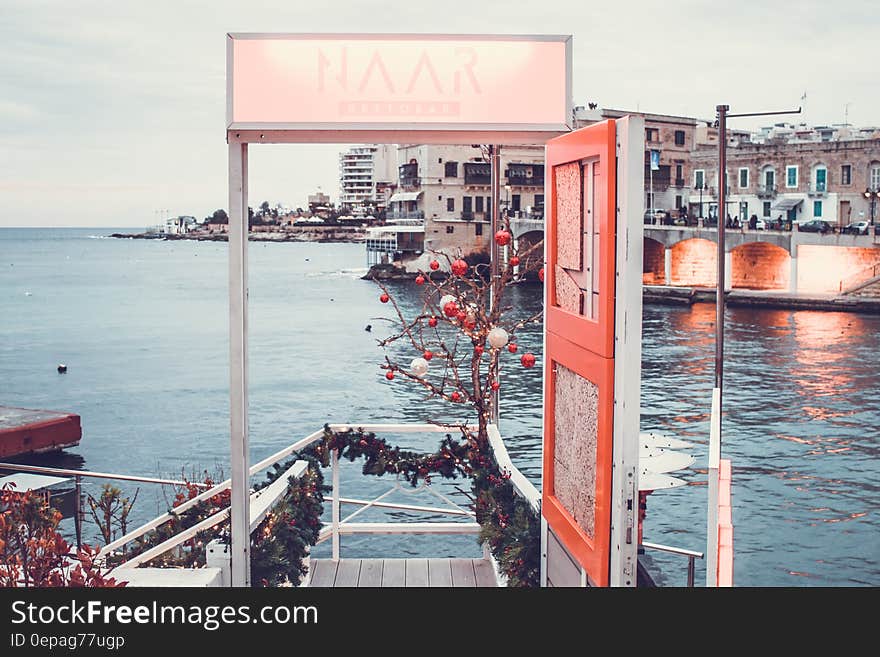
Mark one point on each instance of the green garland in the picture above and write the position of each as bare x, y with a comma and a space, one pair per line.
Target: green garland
280, 544
508, 523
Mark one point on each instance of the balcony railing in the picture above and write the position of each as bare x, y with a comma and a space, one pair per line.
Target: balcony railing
817, 189
766, 191
410, 182
679, 182
404, 214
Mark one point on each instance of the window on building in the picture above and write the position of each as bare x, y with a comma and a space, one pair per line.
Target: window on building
846, 174
450, 229
451, 170
875, 176
743, 177
817, 208
539, 202
439, 160
478, 229
450, 205
679, 137
791, 176
743, 210
489, 205
678, 201
699, 178
652, 134
478, 203
467, 211
515, 201
766, 211
440, 197
821, 180
679, 175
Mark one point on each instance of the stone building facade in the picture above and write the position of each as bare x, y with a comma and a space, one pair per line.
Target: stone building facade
443, 201
796, 173
673, 138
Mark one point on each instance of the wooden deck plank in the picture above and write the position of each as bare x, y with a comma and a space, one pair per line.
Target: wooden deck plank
439, 573
463, 572
485, 574
323, 572
417, 573
347, 573
371, 573
394, 573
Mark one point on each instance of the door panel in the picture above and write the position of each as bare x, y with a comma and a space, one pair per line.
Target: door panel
579, 325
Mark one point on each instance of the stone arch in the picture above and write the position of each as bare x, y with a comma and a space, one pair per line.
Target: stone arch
524, 242
694, 263
654, 263
760, 266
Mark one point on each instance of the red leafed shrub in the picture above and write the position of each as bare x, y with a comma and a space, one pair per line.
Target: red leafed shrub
34, 554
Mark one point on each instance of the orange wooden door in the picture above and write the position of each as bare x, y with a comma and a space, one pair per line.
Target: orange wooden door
579, 358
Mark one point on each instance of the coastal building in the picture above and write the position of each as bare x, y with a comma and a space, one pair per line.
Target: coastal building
443, 202
669, 142
365, 172
180, 225
795, 173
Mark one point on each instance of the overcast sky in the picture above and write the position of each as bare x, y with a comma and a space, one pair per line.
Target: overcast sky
113, 111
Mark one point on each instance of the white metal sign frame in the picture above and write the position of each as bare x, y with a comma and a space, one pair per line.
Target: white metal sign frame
239, 136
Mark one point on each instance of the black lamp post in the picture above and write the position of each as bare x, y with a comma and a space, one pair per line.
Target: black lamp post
871, 195
701, 188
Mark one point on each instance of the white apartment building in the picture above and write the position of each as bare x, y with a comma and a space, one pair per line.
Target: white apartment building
364, 173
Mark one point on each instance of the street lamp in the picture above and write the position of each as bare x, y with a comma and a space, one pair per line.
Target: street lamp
871, 195
701, 188
507, 200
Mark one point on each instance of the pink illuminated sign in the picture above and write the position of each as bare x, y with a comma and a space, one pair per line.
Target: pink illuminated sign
308, 81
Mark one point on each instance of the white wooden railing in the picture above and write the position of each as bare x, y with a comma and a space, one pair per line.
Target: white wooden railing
262, 501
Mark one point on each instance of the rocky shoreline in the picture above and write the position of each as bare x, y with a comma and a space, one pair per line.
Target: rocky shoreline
355, 234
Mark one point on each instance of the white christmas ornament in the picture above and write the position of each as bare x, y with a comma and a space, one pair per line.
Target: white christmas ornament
446, 299
418, 367
497, 337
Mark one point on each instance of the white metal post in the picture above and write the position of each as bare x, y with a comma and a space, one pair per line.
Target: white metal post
627, 351
238, 363
334, 463
494, 253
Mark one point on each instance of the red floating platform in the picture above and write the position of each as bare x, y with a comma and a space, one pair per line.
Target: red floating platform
28, 431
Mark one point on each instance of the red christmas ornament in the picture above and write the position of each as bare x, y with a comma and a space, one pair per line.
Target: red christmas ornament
469, 324
459, 267
389, 375
541, 274
495, 385
450, 309
432, 322
502, 238
478, 350
460, 315
384, 298
428, 355
455, 397
434, 265
514, 261
420, 280
527, 360
512, 347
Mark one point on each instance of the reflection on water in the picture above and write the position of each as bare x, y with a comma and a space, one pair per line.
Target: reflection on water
802, 409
